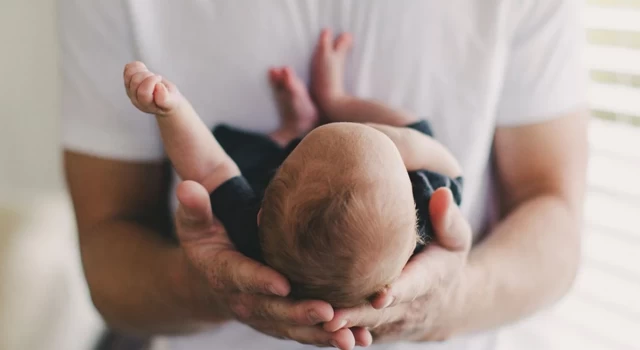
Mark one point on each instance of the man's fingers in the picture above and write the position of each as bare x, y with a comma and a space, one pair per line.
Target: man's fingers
425, 270
275, 309
250, 276
363, 316
208, 245
451, 229
194, 217
414, 281
343, 339
362, 336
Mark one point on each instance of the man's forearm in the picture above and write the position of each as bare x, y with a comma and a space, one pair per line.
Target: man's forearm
139, 282
527, 263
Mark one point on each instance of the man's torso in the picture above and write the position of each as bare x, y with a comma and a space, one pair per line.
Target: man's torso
439, 59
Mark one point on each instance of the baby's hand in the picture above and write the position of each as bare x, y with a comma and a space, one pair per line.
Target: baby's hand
149, 92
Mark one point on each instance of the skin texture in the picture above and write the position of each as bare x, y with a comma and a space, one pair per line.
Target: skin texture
306, 215
143, 283
541, 171
176, 288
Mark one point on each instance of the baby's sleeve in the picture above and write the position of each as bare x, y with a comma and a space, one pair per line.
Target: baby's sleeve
422, 126
236, 205
424, 184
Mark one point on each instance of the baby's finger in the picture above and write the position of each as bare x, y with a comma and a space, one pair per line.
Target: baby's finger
171, 87
136, 80
145, 91
161, 97
130, 70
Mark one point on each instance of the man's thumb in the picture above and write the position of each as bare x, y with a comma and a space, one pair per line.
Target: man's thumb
451, 228
194, 218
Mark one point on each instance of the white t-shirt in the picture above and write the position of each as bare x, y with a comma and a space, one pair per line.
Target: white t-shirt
466, 66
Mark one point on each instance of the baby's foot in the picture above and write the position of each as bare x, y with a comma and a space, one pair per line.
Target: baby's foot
327, 80
149, 92
297, 111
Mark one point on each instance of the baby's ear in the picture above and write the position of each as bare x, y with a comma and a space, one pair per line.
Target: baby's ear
259, 215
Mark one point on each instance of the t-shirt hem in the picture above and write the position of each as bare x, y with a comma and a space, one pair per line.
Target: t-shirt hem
93, 141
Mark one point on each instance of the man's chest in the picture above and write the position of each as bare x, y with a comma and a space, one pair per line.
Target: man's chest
440, 60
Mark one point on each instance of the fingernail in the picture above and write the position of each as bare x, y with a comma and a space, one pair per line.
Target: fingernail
389, 302
333, 343
275, 291
448, 220
343, 324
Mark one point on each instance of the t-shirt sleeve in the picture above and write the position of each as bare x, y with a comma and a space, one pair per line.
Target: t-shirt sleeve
545, 74
96, 41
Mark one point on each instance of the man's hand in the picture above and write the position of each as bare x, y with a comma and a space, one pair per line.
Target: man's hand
245, 289
429, 296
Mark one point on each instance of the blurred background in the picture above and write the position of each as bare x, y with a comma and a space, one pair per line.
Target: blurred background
44, 304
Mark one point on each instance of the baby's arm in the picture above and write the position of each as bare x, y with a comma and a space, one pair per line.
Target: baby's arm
420, 151
348, 108
191, 147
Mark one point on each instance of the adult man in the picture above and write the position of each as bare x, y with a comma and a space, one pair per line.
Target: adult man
501, 82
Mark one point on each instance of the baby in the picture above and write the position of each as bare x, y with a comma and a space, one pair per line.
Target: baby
338, 209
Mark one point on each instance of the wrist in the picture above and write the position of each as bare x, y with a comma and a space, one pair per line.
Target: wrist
470, 291
194, 295
223, 171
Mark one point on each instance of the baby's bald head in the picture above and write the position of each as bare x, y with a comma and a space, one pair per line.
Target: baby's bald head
338, 219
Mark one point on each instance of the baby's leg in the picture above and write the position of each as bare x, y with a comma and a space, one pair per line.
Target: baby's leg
328, 87
298, 114
191, 147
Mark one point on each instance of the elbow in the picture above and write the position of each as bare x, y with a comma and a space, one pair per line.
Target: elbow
568, 265
104, 305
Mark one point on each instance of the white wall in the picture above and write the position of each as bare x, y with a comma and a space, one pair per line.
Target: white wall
29, 94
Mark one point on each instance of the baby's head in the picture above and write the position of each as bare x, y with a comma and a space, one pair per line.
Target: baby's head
338, 219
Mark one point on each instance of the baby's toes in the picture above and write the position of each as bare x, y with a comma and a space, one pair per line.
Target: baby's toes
325, 41
275, 77
343, 43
